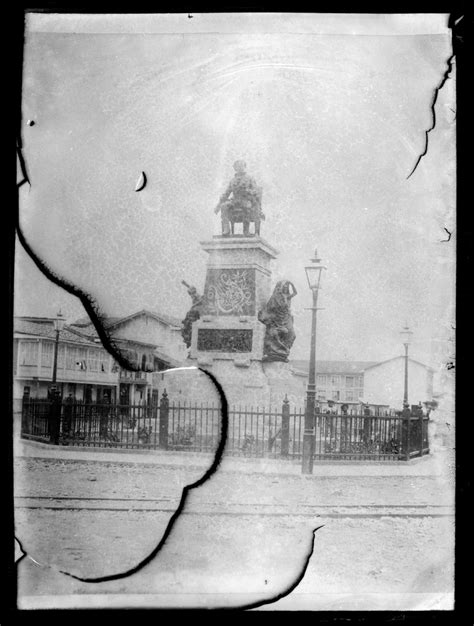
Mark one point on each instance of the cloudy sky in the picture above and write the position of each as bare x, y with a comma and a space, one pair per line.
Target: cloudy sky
330, 115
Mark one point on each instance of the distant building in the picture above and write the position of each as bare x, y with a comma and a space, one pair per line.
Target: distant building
84, 368
151, 341
149, 327
379, 384
384, 382
339, 381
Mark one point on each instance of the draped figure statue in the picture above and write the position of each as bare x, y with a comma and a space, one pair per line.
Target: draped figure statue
277, 317
192, 315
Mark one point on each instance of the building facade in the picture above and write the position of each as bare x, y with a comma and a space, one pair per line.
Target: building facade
378, 384
151, 328
337, 381
385, 382
85, 370
151, 341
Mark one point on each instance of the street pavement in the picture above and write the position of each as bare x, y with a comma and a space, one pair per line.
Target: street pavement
441, 464
384, 538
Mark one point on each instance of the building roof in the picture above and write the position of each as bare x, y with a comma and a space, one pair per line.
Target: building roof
401, 356
85, 322
44, 327
111, 321
334, 367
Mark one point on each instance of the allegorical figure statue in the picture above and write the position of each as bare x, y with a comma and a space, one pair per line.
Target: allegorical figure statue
277, 317
241, 202
192, 315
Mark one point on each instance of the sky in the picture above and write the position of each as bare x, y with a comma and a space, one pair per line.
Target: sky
330, 120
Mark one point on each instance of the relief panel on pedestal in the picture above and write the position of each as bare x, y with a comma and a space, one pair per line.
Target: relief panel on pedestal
224, 340
230, 292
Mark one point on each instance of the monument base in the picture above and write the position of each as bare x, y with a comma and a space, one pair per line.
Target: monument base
244, 385
248, 383
228, 338
284, 383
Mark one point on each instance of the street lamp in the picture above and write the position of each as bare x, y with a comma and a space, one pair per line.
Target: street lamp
59, 322
406, 334
313, 274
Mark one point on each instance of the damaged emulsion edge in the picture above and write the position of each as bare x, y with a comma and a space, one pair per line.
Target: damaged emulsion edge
452, 24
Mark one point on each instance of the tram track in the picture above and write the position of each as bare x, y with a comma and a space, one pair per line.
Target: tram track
219, 508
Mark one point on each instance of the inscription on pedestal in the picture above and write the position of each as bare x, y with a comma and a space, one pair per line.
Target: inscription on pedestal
224, 340
229, 292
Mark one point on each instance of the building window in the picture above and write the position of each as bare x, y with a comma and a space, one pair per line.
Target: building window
93, 360
71, 358
350, 396
104, 361
350, 381
29, 353
81, 359
61, 353
47, 354
336, 395
334, 380
321, 379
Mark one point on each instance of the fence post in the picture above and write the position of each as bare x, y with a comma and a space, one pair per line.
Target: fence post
55, 417
285, 427
406, 416
68, 421
25, 412
164, 413
421, 430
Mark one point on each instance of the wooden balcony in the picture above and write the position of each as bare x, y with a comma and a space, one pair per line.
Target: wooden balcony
67, 375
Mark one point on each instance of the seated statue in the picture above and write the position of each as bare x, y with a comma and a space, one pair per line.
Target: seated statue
241, 202
192, 315
276, 315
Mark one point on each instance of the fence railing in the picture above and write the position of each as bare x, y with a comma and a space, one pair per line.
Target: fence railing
253, 432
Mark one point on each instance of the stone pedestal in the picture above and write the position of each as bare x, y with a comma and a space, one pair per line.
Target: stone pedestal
283, 383
238, 279
228, 338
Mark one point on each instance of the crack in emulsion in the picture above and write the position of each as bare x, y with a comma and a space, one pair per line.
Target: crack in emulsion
92, 309
184, 495
290, 588
449, 236
95, 315
142, 181
212, 469
90, 304
22, 162
454, 21
19, 548
446, 74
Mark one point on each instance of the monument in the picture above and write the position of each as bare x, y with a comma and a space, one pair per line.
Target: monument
241, 202
240, 329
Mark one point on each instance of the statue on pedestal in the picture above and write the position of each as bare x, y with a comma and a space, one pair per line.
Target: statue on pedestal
277, 317
192, 315
241, 202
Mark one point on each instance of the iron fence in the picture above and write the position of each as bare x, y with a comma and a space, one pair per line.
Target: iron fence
252, 431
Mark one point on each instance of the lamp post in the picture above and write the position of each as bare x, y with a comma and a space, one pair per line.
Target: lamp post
58, 326
406, 334
313, 274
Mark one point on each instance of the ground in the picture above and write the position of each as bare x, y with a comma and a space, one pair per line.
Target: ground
241, 537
